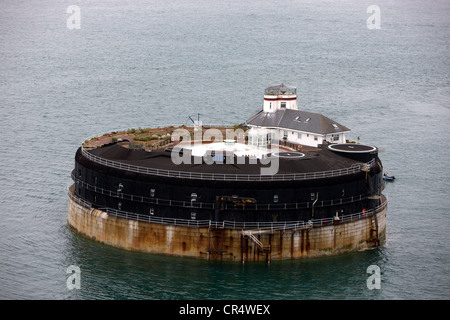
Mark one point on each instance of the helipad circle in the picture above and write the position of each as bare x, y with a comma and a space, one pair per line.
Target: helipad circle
289, 154
351, 148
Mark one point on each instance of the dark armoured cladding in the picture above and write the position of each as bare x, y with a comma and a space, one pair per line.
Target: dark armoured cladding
218, 200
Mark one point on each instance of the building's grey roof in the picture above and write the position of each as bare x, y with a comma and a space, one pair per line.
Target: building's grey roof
297, 120
280, 89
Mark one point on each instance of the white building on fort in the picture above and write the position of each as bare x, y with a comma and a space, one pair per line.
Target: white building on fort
281, 120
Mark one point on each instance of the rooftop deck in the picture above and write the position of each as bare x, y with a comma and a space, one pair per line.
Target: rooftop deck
313, 164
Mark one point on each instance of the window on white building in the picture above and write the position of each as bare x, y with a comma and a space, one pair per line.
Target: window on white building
299, 135
283, 105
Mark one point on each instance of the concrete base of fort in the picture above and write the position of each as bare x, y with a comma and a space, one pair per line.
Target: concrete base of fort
227, 244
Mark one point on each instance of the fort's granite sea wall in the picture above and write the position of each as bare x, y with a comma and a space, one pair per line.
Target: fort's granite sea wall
227, 244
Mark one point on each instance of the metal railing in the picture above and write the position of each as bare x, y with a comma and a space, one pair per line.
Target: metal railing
226, 177
211, 206
252, 237
262, 227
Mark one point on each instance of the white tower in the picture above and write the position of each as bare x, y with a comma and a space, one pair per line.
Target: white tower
280, 97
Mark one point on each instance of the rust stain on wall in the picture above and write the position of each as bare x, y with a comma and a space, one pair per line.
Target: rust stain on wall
220, 245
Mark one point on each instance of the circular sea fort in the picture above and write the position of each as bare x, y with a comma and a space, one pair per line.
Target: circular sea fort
152, 191
321, 202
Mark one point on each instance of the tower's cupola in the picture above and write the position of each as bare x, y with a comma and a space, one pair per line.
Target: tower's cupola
280, 97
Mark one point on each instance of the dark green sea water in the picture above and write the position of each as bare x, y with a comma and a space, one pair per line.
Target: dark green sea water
154, 63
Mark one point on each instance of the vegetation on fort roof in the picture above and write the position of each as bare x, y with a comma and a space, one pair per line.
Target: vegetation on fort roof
148, 138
